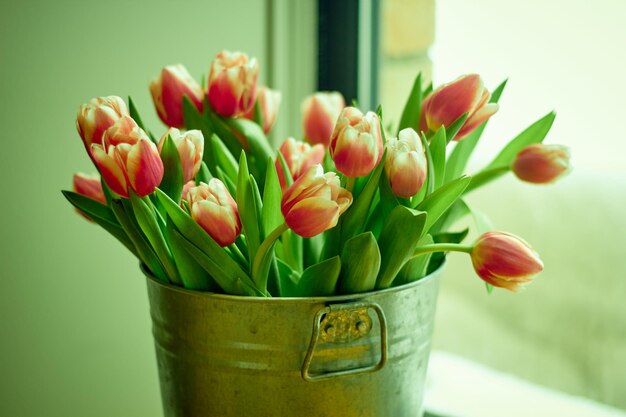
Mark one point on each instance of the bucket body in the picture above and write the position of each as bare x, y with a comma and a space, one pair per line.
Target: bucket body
363, 355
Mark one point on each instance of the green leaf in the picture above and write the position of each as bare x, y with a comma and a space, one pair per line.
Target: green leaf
257, 143
451, 237
320, 279
360, 263
248, 208
412, 108
283, 163
292, 249
437, 203
397, 242
429, 184
535, 133
417, 267
455, 127
91, 208
438, 154
204, 175
146, 254
195, 120
287, 280
463, 149
132, 110
264, 256
485, 176
172, 183
147, 221
272, 196
224, 159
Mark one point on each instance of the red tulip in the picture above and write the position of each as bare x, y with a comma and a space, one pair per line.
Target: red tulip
269, 103
89, 186
541, 164
319, 115
232, 83
314, 202
405, 163
215, 210
127, 159
96, 116
504, 260
300, 157
168, 90
356, 144
447, 103
190, 146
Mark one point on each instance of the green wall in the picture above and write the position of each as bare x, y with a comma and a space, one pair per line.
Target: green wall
76, 338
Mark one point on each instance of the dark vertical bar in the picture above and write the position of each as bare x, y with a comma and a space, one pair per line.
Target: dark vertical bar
338, 45
375, 57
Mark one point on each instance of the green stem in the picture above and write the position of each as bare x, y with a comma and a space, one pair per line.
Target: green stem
260, 266
350, 183
441, 247
485, 176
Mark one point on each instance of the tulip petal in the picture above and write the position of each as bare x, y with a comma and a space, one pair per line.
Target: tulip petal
478, 118
312, 216
217, 221
144, 167
452, 100
109, 169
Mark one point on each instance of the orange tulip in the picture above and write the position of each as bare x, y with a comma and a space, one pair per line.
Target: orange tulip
541, 164
168, 90
504, 260
405, 163
215, 210
300, 157
466, 94
190, 146
319, 115
314, 202
269, 103
232, 83
356, 144
96, 116
127, 159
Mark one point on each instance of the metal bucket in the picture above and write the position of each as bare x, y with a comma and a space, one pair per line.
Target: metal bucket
342, 356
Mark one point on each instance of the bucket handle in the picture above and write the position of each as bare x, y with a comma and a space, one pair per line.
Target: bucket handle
316, 335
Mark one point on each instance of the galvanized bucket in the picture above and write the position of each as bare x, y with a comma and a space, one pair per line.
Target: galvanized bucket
362, 355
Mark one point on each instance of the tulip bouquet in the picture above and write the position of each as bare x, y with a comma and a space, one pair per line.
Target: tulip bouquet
352, 208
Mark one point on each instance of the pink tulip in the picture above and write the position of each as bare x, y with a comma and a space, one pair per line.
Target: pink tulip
466, 94
269, 103
541, 164
168, 90
190, 146
504, 260
127, 159
299, 157
319, 115
314, 202
232, 83
356, 144
215, 210
89, 186
405, 163
96, 116
186, 187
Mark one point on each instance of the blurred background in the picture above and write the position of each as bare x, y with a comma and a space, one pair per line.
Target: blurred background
76, 332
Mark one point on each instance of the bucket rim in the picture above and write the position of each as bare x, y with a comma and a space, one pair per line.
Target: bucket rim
309, 300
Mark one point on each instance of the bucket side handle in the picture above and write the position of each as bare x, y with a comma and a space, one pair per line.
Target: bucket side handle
347, 309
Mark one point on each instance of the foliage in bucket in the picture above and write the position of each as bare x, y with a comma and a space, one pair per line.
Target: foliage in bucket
215, 208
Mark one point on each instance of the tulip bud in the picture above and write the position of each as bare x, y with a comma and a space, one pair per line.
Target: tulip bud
168, 90
214, 209
186, 187
405, 163
89, 186
96, 116
127, 159
504, 260
314, 202
319, 115
356, 144
232, 83
466, 94
300, 157
541, 164
190, 146
269, 102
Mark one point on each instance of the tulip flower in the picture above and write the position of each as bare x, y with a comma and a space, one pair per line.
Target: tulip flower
215, 210
190, 146
269, 102
300, 157
314, 202
466, 94
504, 260
96, 116
168, 90
356, 144
541, 164
319, 115
89, 186
232, 83
127, 159
405, 163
